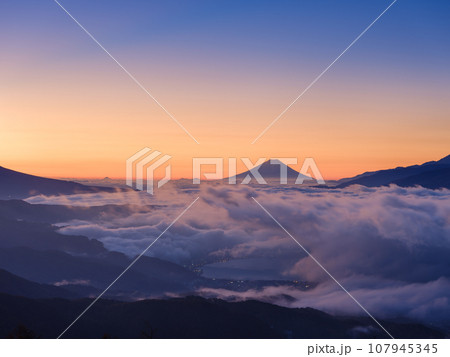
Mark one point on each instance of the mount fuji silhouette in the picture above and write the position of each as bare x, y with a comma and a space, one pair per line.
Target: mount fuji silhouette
271, 170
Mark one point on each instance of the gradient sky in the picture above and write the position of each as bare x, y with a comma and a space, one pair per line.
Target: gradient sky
225, 70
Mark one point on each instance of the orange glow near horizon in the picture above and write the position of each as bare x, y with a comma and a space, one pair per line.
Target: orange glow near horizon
83, 117
88, 131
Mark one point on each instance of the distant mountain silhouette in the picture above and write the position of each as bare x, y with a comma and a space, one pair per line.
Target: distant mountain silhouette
270, 171
433, 175
15, 184
190, 317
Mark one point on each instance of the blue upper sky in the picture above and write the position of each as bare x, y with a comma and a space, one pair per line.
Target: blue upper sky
413, 32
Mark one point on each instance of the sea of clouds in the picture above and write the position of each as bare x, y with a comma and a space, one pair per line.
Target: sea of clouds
389, 246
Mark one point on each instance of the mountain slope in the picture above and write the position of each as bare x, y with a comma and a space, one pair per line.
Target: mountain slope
15, 184
21, 210
433, 179
433, 174
148, 277
42, 236
14, 285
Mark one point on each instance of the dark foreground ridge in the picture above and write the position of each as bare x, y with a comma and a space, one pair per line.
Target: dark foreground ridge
189, 317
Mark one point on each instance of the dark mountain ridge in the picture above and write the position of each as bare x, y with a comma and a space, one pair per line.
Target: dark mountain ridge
190, 317
14, 184
432, 174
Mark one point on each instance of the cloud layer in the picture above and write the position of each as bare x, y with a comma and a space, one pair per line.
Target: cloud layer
388, 246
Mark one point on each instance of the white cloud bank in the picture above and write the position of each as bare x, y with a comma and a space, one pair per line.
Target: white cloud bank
389, 246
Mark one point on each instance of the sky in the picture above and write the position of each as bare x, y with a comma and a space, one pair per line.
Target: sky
225, 70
